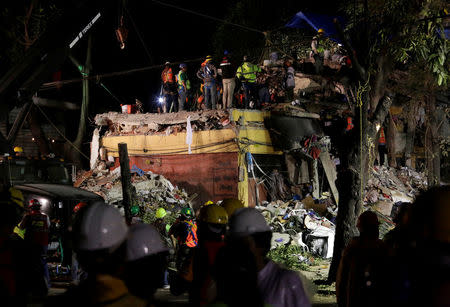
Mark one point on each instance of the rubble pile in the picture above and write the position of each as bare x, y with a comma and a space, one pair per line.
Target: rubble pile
167, 123
305, 223
152, 190
388, 186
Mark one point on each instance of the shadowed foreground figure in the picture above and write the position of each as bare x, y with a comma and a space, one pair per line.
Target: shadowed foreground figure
146, 261
420, 269
99, 240
278, 287
359, 280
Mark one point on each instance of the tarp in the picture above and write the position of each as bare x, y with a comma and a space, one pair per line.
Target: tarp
316, 21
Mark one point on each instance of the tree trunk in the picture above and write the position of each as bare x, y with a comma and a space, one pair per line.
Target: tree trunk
353, 178
432, 149
410, 131
390, 141
84, 104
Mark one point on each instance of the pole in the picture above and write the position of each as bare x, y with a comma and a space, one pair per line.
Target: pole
127, 187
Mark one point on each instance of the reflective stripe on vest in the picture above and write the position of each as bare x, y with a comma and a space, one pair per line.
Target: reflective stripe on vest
191, 240
168, 76
382, 139
248, 71
350, 125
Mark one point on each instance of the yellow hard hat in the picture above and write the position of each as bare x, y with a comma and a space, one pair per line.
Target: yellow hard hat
209, 202
18, 149
214, 214
231, 204
321, 30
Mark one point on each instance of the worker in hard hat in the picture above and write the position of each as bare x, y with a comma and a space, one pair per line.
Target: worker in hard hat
99, 235
169, 89
211, 233
248, 230
231, 205
146, 261
18, 275
184, 86
208, 74
36, 225
184, 230
18, 151
163, 229
246, 73
318, 50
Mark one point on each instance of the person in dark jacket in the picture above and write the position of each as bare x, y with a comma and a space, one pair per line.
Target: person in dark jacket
228, 79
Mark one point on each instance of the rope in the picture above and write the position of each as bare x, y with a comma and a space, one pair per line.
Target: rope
109, 92
60, 133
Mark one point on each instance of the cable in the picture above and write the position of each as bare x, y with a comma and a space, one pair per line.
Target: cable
209, 17
139, 35
60, 133
109, 92
112, 74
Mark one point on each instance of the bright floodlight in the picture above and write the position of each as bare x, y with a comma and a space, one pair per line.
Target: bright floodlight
160, 99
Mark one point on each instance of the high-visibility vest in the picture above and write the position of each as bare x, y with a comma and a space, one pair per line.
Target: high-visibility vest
350, 125
382, 139
248, 71
180, 82
167, 76
191, 239
320, 45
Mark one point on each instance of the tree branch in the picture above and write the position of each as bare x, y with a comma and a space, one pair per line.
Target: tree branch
352, 53
382, 109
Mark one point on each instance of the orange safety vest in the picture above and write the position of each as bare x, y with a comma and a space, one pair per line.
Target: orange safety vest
382, 139
167, 76
191, 240
350, 125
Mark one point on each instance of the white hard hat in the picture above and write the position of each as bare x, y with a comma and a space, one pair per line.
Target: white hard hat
247, 221
143, 240
101, 226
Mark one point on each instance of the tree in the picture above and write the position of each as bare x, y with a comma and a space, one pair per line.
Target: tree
380, 36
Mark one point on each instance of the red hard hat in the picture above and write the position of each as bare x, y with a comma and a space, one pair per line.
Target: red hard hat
79, 206
34, 203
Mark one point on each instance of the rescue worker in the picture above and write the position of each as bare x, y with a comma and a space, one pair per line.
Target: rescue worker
247, 74
208, 74
20, 276
228, 71
100, 234
359, 280
18, 151
169, 89
146, 261
163, 229
211, 233
185, 232
36, 225
382, 146
184, 86
231, 205
248, 230
318, 50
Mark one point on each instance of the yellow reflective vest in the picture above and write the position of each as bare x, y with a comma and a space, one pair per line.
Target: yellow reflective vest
248, 72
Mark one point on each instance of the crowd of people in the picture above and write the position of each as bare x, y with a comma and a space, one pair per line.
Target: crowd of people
224, 86
220, 258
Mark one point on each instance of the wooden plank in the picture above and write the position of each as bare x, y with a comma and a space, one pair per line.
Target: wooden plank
330, 173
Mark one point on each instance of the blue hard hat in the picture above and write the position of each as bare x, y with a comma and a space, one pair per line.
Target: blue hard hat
182, 65
226, 52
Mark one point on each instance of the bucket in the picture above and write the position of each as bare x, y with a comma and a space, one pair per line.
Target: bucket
127, 108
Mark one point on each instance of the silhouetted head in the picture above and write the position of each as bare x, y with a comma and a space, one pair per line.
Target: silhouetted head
368, 224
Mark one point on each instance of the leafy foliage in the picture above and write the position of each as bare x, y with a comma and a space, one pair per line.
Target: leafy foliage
287, 255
